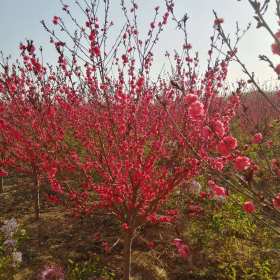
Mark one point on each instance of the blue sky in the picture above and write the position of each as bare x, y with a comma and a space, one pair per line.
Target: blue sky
20, 19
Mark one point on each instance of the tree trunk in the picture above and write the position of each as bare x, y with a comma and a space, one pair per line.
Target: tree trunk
2, 185
127, 255
36, 196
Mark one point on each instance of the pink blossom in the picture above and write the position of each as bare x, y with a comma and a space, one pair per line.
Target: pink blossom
106, 247
223, 149
257, 139
52, 272
203, 195
216, 189
54, 199
219, 128
242, 163
182, 248
55, 186
249, 207
274, 163
196, 110
218, 164
165, 219
277, 69
228, 144
125, 226
206, 132
230, 141
219, 191
277, 34
3, 173
275, 49
276, 201
194, 210
218, 21
269, 143
56, 20
190, 98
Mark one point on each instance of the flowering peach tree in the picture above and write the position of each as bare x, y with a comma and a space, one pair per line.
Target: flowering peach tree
107, 135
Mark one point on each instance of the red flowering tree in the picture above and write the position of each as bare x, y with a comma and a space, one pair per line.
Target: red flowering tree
259, 115
31, 125
138, 139
127, 139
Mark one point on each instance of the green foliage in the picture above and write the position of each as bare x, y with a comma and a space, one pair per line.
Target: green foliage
4, 259
9, 264
227, 244
145, 265
231, 219
87, 270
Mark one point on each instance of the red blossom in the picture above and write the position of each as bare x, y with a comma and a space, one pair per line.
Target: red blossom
217, 190
196, 110
275, 48
276, 201
125, 226
115, 134
182, 248
277, 69
151, 244
125, 58
277, 34
56, 20
3, 173
218, 21
203, 195
242, 163
218, 128
54, 199
106, 247
190, 98
249, 207
257, 139
227, 145
95, 51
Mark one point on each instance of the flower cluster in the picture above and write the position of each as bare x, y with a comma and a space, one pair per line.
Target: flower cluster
249, 207
182, 248
52, 272
130, 140
9, 230
275, 48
